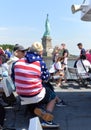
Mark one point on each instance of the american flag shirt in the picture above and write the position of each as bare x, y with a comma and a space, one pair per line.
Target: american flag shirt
29, 72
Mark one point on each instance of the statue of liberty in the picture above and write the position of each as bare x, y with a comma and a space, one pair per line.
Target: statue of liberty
47, 27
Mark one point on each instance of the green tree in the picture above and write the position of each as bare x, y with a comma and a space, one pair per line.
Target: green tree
5, 46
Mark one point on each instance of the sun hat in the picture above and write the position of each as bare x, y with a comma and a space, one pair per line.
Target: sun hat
37, 46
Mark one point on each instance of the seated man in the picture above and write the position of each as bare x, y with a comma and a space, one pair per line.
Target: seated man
28, 74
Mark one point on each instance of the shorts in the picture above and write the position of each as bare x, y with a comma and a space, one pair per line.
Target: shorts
50, 95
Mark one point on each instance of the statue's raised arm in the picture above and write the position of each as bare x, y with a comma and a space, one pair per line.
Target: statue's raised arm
47, 27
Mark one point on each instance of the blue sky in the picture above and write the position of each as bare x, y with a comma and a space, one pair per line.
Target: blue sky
23, 22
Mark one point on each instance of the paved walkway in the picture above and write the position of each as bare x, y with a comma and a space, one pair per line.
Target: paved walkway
75, 116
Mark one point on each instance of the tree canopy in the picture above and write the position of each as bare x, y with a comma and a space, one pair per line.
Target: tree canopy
5, 46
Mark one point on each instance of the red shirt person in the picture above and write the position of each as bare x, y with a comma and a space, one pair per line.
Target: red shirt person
88, 55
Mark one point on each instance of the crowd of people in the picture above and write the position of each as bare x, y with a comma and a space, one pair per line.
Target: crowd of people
31, 77
60, 58
58, 70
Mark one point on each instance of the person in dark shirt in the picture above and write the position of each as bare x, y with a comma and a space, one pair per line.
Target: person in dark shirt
82, 50
64, 53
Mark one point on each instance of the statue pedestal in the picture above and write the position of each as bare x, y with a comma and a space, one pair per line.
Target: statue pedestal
47, 45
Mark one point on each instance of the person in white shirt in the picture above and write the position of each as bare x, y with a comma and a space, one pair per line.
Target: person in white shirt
57, 70
18, 53
83, 64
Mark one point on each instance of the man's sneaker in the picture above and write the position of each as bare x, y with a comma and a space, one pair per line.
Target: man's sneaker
49, 124
46, 116
61, 103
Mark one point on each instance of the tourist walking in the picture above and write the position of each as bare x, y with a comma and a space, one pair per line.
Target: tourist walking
82, 52
64, 53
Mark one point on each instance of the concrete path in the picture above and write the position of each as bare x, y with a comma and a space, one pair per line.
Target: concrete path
75, 116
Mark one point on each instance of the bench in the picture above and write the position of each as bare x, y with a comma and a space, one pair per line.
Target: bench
81, 78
